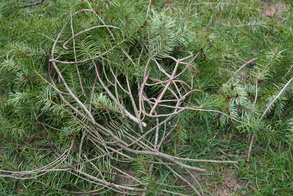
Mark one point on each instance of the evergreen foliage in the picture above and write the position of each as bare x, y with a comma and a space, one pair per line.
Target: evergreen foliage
132, 97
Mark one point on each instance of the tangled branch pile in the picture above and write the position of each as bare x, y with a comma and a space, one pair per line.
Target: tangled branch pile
102, 105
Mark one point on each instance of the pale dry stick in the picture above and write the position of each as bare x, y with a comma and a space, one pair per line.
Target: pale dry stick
162, 155
205, 160
128, 175
72, 94
162, 82
134, 107
204, 110
256, 95
182, 59
46, 125
176, 107
137, 113
98, 129
86, 30
157, 128
172, 77
263, 114
32, 177
250, 148
277, 96
33, 4
96, 169
71, 192
183, 84
92, 137
118, 103
188, 64
110, 155
145, 78
104, 72
63, 81
195, 181
248, 62
177, 88
288, 72
74, 53
183, 179
167, 135
140, 100
89, 59
166, 81
56, 40
95, 13
140, 55
101, 128
129, 57
161, 68
130, 116
83, 10
116, 81
42, 127
45, 36
241, 67
165, 115
174, 193
90, 160
120, 65
212, 3
108, 184
140, 141
115, 85
89, 114
158, 82
96, 140
149, 8
185, 63
245, 25
156, 147
99, 143
92, 94
253, 134
53, 164
53, 85
171, 114
122, 154
153, 100
161, 163
144, 82
45, 171
169, 81
103, 185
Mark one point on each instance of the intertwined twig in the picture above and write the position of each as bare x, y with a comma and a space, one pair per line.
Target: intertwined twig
128, 139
